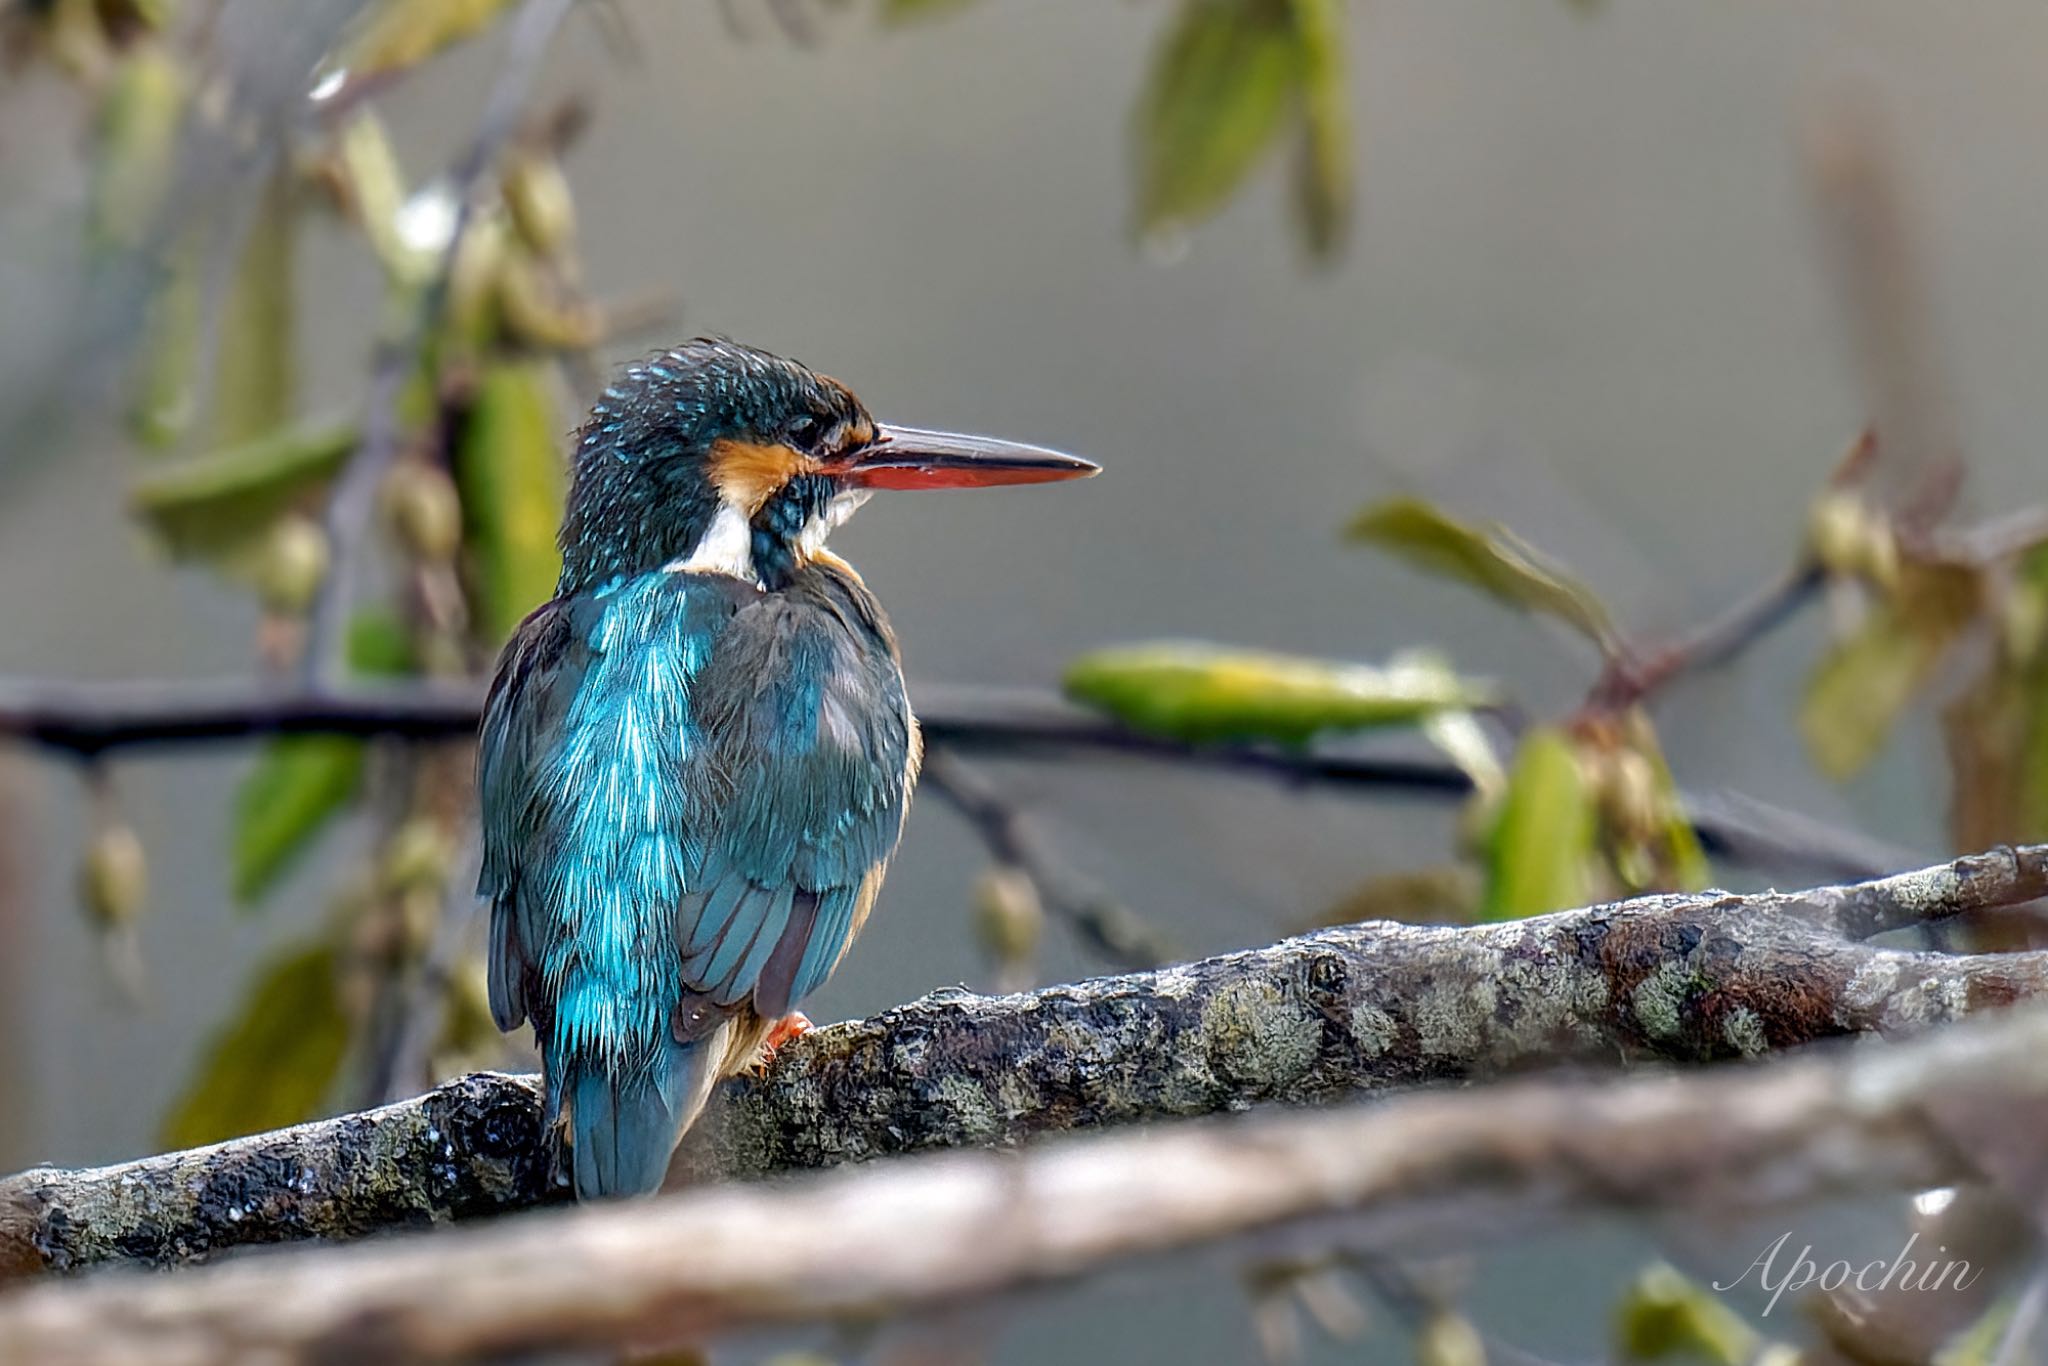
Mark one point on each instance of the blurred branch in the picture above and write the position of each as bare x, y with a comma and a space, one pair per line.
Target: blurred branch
89, 719
1871, 242
1313, 1019
1632, 678
1014, 839
1413, 1174
355, 493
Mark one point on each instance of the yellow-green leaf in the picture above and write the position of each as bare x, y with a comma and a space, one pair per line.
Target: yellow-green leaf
1541, 848
403, 33
222, 504
511, 475
1865, 680
1455, 731
1322, 172
1488, 557
1199, 692
273, 1062
913, 11
299, 782
380, 647
140, 116
1223, 84
255, 369
1666, 1315
1997, 729
167, 360
371, 187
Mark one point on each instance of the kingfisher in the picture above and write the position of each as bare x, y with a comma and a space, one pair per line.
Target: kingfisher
695, 760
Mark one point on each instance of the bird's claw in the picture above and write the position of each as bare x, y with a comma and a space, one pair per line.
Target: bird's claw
794, 1025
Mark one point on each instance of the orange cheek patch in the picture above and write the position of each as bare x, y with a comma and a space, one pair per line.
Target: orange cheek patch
749, 473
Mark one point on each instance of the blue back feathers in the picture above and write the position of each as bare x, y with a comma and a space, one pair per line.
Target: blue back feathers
689, 788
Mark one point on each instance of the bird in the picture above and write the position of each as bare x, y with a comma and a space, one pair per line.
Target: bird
695, 759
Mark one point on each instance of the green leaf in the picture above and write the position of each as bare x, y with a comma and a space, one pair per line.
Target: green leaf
1997, 729
1489, 557
1222, 87
1200, 692
167, 358
1666, 1315
916, 11
274, 1061
372, 188
298, 783
403, 33
255, 386
222, 504
511, 475
379, 646
1322, 172
1456, 732
140, 116
1538, 857
1865, 680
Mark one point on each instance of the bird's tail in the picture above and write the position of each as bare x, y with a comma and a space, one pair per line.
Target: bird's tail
623, 1129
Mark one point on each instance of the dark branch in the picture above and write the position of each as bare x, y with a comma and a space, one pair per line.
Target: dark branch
1309, 1020
1012, 838
90, 719
1630, 679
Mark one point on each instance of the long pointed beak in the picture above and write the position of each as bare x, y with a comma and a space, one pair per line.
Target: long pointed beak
908, 458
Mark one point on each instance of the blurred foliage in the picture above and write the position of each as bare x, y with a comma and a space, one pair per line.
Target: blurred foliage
221, 506
1489, 558
397, 35
1539, 855
275, 1060
1667, 1316
1229, 81
1191, 691
509, 468
483, 327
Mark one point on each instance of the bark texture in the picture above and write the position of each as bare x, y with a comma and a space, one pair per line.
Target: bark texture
1309, 1020
1411, 1175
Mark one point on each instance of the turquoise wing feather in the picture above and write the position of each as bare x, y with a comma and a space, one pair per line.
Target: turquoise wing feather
688, 792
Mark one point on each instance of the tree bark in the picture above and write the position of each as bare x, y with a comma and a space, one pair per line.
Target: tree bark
1411, 1175
1312, 1019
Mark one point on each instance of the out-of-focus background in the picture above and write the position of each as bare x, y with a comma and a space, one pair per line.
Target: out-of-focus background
1587, 291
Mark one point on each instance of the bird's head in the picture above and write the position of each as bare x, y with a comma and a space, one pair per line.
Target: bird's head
716, 456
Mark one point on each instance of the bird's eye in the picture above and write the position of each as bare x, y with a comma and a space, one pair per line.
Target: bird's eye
803, 432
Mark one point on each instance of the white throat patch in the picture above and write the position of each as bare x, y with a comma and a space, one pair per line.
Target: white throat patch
727, 547
834, 513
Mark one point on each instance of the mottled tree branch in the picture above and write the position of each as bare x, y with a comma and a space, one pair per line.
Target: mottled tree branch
1314, 1019
1419, 1173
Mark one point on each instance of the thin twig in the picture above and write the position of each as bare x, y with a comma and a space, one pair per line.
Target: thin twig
1631, 679
355, 492
1014, 839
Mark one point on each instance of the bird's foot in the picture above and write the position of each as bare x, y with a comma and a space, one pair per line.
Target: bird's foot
794, 1025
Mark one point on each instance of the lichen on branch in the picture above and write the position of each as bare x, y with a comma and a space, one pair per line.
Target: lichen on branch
1346, 1010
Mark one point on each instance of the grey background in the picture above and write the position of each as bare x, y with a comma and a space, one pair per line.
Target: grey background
1584, 295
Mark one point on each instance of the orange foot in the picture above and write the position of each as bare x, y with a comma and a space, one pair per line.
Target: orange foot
794, 1025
